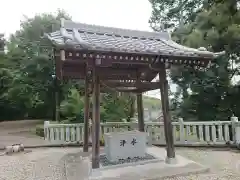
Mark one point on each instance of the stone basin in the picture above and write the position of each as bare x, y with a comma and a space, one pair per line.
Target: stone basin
124, 145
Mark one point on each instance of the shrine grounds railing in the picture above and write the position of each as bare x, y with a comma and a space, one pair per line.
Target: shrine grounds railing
190, 133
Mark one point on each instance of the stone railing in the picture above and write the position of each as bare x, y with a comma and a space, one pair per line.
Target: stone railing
213, 132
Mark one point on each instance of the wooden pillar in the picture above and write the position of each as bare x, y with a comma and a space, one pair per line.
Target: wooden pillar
86, 115
168, 129
59, 58
140, 112
57, 101
96, 121
54, 107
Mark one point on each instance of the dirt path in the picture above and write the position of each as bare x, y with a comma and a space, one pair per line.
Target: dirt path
12, 132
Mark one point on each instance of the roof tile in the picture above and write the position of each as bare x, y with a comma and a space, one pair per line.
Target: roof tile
115, 39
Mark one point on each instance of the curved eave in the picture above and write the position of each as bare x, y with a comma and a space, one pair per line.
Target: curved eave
75, 47
62, 40
203, 53
216, 55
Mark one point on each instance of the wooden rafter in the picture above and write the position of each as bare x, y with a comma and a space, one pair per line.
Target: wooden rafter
139, 85
107, 59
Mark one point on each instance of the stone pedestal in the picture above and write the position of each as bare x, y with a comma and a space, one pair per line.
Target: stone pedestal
123, 145
237, 135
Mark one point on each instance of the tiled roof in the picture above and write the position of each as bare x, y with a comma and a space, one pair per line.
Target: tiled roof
101, 38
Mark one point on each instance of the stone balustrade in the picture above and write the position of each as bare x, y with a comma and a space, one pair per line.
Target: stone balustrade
207, 132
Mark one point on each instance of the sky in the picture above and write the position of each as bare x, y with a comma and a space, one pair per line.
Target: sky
130, 14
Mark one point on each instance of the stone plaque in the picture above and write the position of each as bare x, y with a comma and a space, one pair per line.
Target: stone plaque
123, 145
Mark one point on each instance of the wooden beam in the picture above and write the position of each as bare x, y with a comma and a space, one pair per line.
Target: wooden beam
104, 89
110, 70
115, 72
118, 71
72, 75
117, 77
79, 75
96, 120
139, 85
86, 116
148, 89
168, 128
109, 57
73, 68
101, 71
120, 90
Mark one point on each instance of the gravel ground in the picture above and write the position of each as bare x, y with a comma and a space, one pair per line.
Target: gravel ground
40, 164
47, 164
14, 132
223, 164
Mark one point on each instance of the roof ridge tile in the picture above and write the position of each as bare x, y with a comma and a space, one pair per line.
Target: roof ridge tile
111, 30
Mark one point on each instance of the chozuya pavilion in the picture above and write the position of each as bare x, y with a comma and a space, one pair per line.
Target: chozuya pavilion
126, 60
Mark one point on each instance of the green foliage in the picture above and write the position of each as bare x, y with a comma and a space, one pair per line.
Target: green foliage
27, 84
209, 95
117, 107
152, 103
169, 13
72, 107
112, 107
40, 130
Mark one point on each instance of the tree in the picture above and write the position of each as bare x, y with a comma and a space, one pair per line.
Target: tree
118, 107
171, 13
28, 60
218, 29
215, 27
72, 107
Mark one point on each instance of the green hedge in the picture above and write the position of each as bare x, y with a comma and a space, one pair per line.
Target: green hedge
40, 130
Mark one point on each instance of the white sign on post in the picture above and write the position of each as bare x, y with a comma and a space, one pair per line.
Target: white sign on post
123, 145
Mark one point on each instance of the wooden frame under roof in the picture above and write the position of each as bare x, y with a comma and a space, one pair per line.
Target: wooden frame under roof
126, 60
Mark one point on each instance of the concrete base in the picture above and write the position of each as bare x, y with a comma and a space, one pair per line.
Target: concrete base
145, 171
171, 160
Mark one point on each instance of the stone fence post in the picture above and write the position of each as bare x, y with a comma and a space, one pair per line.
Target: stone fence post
235, 130
181, 130
46, 131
